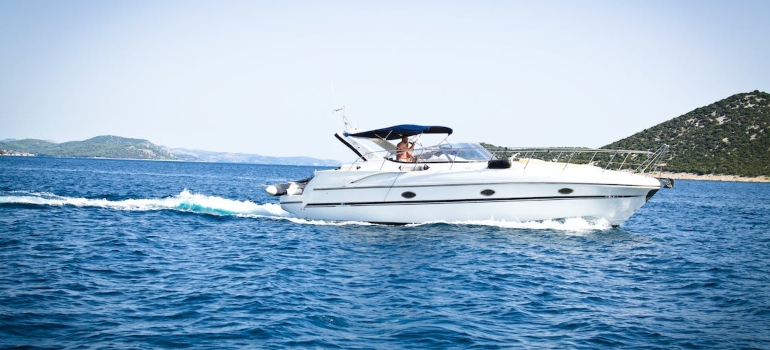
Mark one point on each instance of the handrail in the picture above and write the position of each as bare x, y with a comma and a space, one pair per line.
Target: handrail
635, 161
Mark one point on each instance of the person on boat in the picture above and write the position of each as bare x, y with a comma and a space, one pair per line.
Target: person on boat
404, 150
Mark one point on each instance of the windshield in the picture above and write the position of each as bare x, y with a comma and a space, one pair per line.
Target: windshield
454, 152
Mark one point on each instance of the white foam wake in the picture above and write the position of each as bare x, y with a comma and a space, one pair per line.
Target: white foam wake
578, 225
187, 201
184, 201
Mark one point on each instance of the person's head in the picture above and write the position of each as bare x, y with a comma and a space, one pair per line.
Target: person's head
404, 138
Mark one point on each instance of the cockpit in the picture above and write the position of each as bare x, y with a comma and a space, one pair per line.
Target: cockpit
376, 145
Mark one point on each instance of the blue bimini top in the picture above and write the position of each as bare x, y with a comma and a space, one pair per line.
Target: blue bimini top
399, 131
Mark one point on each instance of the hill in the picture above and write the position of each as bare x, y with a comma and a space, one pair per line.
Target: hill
226, 157
728, 137
127, 148
100, 146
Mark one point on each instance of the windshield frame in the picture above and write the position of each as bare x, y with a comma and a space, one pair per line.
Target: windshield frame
459, 152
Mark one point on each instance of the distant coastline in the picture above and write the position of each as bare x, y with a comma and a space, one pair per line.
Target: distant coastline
712, 177
28, 155
116, 147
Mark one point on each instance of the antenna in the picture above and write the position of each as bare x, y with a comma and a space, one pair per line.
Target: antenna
345, 122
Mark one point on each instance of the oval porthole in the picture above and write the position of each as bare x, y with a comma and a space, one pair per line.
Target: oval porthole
487, 192
566, 190
408, 194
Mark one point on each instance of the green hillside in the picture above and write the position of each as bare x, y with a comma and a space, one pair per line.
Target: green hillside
729, 137
100, 146
26, 145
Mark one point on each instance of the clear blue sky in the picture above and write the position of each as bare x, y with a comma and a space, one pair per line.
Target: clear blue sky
257, 76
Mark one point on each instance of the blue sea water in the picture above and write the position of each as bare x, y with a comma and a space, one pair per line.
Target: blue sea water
99, 253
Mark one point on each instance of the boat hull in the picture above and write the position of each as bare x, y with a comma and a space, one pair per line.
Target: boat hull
461, 196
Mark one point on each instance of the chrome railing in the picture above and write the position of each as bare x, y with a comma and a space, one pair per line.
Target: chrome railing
608, 159
618, 160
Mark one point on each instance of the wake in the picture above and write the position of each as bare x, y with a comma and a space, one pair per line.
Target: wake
185, 201
576, 225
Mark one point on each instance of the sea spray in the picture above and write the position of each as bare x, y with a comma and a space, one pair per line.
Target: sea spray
184, 201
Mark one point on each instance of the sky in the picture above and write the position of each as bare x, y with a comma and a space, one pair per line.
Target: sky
264, 77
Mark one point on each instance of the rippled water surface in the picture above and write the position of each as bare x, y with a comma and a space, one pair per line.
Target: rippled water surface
133, 254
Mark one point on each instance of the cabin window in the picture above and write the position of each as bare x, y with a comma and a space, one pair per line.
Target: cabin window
487, 192
408, 195
566, 190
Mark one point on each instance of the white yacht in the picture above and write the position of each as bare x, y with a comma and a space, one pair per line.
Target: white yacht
456, 182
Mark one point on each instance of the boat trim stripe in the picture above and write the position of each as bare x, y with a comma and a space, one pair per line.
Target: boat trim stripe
476, 184
466, 200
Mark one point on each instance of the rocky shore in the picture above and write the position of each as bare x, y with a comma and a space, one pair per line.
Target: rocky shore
734, 178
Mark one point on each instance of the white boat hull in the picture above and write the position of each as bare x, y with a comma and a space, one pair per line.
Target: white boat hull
518, 194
